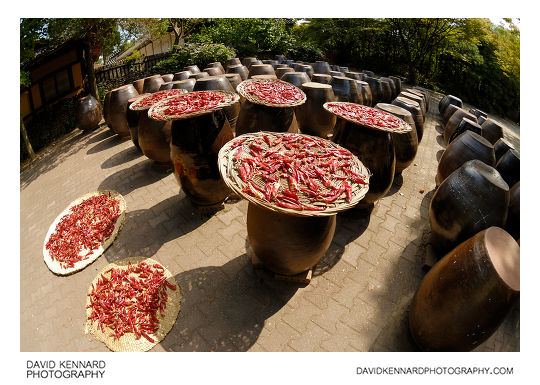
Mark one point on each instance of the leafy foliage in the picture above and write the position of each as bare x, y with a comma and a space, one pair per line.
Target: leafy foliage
194, 54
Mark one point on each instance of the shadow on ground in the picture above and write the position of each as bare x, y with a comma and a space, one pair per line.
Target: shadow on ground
223, 308
124, 156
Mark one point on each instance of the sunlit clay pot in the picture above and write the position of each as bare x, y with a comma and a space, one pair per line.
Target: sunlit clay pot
416, 112
152, 83
88, 113
193, 69
346, 90
234, 80
118, 106
182, 75
376, 89
167, 78
280, 71
472, 198
238, 69
133, 117
508, 167
106, 108
295, 78
213, 71
186, 84
392, 85
417, 99
466, 296
465, 125
321, 78
312, 118
307, 69
449, 100
232, 61
217, 65
365, 90
465, 147
397, 83
321, 67
199, 75
501, 146
386, 96
336, 73
405, 144
492, 130
448, 113
453, 123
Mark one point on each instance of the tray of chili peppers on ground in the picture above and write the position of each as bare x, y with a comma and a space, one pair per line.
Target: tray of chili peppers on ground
149, 99
132, 304
192, 104
271, 92
83, 231
295, 174
368, 117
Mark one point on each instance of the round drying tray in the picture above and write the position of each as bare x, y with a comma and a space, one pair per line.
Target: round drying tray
368, 117
147, 100
267, 91
128, 342
233, 154
192, 104
87, 256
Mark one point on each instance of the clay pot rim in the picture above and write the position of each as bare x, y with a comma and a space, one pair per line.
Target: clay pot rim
509, 275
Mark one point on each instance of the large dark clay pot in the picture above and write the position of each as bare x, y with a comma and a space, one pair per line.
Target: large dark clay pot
375, 150
449, 100
321, 67
465, 125
365, 90
167, 77
217, 65
312, 118
321, 78
261, 69
107, 108
307, 69
194, 147
213, 71
386, 96
471, 199
450, 110
492, 130
88, 113
295, 78
199, 75
186, 84
256, 117
288, 244
376, 89
152, 83
501, 146
154, 138
397, 83
182, 75
416, 112
234, 80
346, 90
406, 144
282, 71
133, 117
238, 69
467, 146
232, 61
512, 221
453, 123
193, 69
465, 296
417, 99
393, 90
118, 106
508, 167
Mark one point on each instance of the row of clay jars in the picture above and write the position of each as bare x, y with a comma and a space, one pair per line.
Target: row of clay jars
467, 294
405, 144
470, 199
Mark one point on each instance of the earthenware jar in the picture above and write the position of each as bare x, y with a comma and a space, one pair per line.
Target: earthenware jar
508, 167
238, 69
232, 61
195, 143
345, 89
312, 118
416, 112
88, 113
478, 113
247, 60
220, 83
138, 84
336, 73
464, 298
405, 144
352, 75
397, 83
448, 100
465, 147
182, 75
369, 73
186, 84
386, 96
448, 113
421, 93
154, 138
167, 77
465, 125
492, 130
392, 85
152, 83
261, 69
512, 221
194, 69
305, 68
481, 120
295, 78
213, 71
501, 146
417, 99
376, 89
280, 71
365, 90
199, 75
280, 58
133, 117
471, 199
454, 122
118, 106
321, 78
254, 62
218, 65
321, 67
289, 62
234, 79
166, 86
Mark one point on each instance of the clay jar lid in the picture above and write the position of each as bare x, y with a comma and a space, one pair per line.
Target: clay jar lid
295, 78
368, 117
280, 71
504, 254
213, 83
182, 75
186, 84
192, 104
271, 93
261, 69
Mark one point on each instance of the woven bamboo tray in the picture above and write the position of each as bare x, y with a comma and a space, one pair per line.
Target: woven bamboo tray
54, 265
156, 111
138, 105
401, 129
242, 90
128, 342
228, 168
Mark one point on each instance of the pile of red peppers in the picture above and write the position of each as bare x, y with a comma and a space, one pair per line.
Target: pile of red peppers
274, 92
365, 115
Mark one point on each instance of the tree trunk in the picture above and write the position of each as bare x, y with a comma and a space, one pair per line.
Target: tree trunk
26, 140
89, 67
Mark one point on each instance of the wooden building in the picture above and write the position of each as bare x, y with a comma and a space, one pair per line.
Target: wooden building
55, 75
